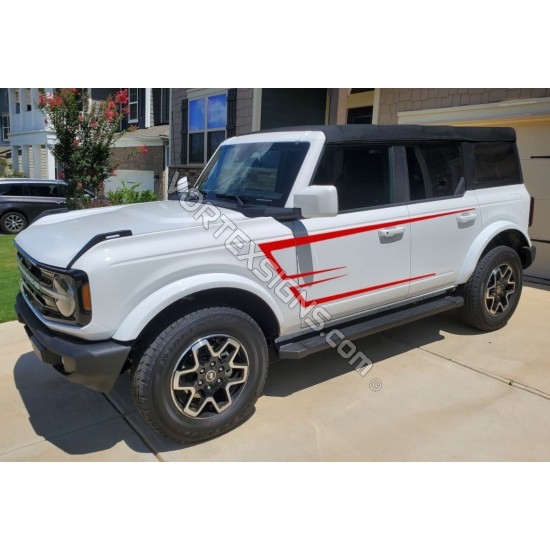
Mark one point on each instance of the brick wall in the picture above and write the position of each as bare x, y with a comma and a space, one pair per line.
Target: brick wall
395, 100
192, 172
152, 160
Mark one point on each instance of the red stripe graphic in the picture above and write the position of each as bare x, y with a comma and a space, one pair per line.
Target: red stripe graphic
306, 303
270, 247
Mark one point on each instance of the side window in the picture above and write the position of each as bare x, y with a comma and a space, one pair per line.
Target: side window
361, 175
42, 190
435, 170
14, 190
496, 163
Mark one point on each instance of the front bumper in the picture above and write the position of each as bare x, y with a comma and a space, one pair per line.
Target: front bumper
96, 365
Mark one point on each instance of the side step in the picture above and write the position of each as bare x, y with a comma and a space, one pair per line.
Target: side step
318, 341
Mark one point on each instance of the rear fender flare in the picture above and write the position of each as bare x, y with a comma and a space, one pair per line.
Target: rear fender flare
479, 245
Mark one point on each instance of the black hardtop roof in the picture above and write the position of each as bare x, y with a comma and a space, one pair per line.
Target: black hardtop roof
405, 132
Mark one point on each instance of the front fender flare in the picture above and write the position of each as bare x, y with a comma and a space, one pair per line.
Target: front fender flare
159, 300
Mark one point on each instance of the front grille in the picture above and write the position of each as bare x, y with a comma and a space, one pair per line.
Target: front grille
37, 287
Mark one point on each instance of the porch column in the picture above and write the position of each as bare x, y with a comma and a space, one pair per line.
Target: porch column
37, 161
50, 164
338, 109
25, 157
15, 158
14, 122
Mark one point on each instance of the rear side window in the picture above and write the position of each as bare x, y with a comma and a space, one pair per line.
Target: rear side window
361, 175
435, 170
14, 189
43, 190
496, 163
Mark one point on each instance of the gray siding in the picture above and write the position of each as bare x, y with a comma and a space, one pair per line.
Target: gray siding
243, 123
396, 100
178, 95
293, 107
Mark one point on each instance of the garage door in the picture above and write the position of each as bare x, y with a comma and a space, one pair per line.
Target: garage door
145, 179
534, 149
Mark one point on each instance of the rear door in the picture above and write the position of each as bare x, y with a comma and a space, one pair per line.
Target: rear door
445, 218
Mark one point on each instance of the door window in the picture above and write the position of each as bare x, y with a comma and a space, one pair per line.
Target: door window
14, 190
43, 190
361, 175
435, 170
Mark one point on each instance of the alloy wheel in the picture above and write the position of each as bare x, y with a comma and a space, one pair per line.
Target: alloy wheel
499, 290
209, 376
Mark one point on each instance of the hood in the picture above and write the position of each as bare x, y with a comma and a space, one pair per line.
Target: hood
56, 239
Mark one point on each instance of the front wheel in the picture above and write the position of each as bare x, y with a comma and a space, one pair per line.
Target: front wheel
202, 375
492, 293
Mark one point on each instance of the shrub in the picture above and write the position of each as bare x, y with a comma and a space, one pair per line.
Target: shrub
130, 195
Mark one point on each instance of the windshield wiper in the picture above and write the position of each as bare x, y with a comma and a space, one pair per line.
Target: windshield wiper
239, 200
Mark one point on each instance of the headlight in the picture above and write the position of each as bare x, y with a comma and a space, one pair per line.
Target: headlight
61, 295
65, 298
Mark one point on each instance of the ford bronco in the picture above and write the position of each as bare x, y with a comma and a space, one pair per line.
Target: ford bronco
286, 236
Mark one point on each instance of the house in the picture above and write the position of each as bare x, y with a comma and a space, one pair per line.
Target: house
29, 135
203, 117
5, 151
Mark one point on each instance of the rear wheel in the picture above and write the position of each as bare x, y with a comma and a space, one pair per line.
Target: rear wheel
202, 375
492, 293
13, 222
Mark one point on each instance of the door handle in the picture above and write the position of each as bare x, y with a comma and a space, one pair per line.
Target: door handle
466, 217
392, 231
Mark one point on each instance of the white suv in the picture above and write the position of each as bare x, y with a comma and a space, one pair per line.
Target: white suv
291, 241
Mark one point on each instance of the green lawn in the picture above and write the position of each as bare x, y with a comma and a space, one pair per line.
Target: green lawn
9, 278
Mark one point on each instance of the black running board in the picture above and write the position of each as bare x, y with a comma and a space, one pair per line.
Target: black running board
298, 349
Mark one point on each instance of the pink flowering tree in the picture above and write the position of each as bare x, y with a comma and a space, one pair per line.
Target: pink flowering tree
85, 133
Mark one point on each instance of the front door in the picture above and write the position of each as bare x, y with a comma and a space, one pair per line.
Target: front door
359, 259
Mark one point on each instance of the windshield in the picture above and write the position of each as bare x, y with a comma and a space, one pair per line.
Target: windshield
253, 173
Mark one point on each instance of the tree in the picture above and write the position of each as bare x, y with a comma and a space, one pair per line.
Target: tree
85, 132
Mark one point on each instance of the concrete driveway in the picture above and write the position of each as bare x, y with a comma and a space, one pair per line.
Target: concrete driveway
438, 391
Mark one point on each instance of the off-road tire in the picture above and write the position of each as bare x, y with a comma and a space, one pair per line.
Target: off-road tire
184, 355
492, 293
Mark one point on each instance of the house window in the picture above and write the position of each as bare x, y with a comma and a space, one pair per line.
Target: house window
207, 126
5, 127
132, 104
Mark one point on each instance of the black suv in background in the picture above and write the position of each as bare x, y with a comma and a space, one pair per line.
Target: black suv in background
22, 200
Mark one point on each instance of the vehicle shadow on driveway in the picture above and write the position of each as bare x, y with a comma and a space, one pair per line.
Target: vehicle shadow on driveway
81, 421
288, 377
72, 417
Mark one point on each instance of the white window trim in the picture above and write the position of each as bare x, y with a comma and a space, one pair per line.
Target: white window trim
503, 113
136, 103
199, 93
5, 127
148, 100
